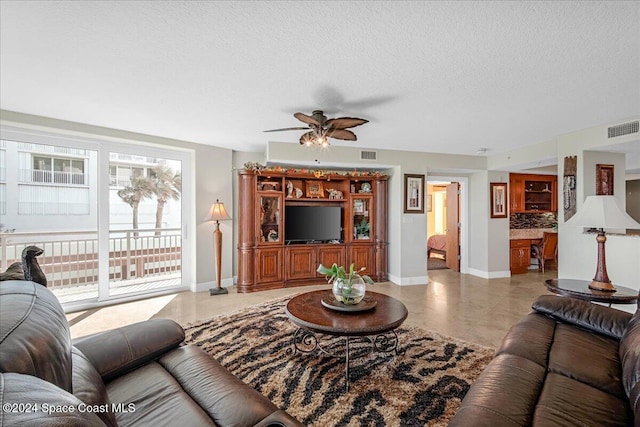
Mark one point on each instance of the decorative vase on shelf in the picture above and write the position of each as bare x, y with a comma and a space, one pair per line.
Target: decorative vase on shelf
349, 291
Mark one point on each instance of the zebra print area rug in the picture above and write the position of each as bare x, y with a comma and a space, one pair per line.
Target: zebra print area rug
421, 386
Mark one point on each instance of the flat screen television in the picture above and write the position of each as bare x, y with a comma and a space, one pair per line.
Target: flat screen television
312, 223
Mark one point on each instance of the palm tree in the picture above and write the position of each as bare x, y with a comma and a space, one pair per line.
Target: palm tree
167, 185
141, 188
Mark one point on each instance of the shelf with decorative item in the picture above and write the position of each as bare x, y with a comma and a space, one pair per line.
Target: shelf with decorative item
292, 219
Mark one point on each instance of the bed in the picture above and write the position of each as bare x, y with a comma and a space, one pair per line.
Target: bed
437, 244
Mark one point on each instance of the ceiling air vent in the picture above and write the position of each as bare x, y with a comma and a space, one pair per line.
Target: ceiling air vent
368, 155
623, 129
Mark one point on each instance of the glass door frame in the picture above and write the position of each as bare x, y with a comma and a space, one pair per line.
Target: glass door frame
104, 145
104, 218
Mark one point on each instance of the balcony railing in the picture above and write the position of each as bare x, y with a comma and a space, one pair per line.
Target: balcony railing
52, 177
70, 259
115, 181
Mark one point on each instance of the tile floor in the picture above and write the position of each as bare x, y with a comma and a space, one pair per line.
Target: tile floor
453, 304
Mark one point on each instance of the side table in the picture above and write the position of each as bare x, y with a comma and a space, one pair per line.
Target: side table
580, 289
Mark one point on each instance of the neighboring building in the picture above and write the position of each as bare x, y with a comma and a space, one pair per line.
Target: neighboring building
53, 188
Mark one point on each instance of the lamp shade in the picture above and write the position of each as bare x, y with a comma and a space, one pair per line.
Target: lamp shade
602, 212
217, 212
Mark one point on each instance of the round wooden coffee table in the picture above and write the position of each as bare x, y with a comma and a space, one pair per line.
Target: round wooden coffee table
311, 317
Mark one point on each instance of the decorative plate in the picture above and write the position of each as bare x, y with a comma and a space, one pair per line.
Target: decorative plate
330, 302
365, 188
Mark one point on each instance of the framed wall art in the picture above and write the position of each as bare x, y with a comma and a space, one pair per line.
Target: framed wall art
498, 199
569, 187
604, 180
413, 194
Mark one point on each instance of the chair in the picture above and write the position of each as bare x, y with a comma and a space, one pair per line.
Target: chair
547, 249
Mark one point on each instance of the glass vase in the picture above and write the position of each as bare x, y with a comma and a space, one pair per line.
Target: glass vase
349, 291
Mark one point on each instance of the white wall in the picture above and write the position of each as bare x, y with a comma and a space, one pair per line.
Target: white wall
577, 250
498, 249
574, 244
488, 237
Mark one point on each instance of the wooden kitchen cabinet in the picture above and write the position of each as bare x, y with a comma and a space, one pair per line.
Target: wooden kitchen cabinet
520, 258
533, 193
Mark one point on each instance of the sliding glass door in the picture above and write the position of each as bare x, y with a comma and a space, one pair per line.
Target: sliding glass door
109, 217
49, 200
145, 222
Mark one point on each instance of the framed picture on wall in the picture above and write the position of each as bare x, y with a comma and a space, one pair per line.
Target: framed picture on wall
498, 199
604, 180
414, 194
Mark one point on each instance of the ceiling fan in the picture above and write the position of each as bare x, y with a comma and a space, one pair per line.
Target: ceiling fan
323, 128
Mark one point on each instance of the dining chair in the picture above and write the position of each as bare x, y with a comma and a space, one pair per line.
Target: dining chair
547, 249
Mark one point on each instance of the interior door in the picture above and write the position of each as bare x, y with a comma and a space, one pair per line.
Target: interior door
453, 229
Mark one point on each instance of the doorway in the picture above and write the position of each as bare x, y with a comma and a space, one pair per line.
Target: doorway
446, 236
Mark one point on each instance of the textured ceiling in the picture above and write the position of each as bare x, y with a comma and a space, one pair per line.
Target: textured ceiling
430, 76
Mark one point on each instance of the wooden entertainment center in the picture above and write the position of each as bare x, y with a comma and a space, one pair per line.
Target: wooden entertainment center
268, 260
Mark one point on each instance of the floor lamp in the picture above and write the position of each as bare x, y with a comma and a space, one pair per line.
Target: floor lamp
602, 212
217, 213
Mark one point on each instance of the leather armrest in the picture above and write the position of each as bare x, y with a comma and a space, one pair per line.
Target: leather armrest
279, 419
121, 350
594, 317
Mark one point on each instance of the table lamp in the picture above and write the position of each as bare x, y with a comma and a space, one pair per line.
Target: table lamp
602, 212
217, 213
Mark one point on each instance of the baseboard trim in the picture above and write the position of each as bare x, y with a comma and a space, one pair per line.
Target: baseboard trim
202, 287
489, 274
408, 281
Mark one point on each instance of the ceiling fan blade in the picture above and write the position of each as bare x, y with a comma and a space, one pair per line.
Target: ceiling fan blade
280, 130
344, 134
306, 119
345, 122
307, 137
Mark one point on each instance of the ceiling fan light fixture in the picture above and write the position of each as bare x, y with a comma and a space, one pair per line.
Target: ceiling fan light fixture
321, 129
322, 141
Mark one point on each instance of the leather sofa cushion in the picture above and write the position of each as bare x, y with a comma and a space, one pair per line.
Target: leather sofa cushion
549, 373
187, 387
88, 387
30, 390
565, 401
157, 398
589, 358
34, 333
228, 400
530, 338
503, 394
630, 357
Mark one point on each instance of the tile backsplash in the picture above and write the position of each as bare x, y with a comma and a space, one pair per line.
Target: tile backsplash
533, 220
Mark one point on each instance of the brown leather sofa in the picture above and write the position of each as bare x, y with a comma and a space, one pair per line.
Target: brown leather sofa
569, 362
141, 374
